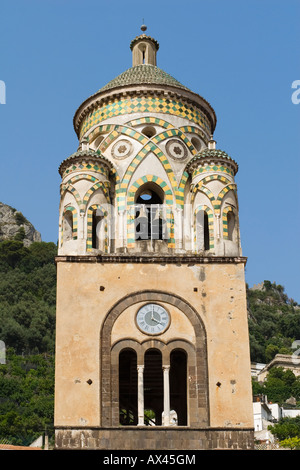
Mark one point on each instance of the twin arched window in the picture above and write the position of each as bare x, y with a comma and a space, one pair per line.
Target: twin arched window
154, 388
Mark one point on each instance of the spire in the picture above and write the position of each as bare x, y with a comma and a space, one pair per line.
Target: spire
144, 49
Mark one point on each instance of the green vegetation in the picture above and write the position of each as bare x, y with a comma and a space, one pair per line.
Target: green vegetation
27, 296
274, 322
287, 431
27, 327
279, 386
26, 398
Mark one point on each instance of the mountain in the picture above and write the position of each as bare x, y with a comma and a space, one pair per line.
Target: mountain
14, 226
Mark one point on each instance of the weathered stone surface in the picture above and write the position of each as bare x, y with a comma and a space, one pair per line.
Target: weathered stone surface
13, 223
133, 438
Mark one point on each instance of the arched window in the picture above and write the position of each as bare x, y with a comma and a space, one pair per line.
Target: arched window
230, 224
97, 236
97, 218
178, 387
153, 387
68, 224
202, 230
128, 405
150, 223
196, 143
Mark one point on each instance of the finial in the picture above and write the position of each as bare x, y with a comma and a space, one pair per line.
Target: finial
212, 143
143, 27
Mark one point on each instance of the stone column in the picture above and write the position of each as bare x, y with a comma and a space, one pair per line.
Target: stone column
166, 370
140, 395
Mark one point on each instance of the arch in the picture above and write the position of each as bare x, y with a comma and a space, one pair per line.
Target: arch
69, 187
153, 383
181, 189
127, 386
178, 384
174, 133
104, 185
221, 195
150, 120
195, 130
203, 189
210, 222
69, 224
198, 394
124, 183
168, 200
92, 239
229, 223
99, 130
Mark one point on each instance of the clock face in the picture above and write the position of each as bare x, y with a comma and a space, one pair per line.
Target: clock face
152, 319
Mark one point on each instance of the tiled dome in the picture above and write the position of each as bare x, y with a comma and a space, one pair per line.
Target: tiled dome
142, 75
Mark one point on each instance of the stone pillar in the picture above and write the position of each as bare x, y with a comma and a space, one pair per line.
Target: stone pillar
140, 395
166, 370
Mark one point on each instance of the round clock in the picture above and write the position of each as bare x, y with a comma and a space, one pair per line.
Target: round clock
152, 319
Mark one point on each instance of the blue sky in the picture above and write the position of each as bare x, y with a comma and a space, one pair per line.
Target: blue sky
240, 55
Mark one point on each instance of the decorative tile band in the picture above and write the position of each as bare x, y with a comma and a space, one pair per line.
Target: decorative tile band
210, 168
85, 166
145, 105
210, 216
89, 241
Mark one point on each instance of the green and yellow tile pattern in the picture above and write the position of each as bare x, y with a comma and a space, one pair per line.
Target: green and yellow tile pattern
145, 105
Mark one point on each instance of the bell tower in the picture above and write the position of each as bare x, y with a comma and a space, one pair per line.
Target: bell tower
152, 348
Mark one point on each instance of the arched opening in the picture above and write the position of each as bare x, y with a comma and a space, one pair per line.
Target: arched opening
153, 386
98, 141
230, 224
202, 230
178, 387
68, 225
97, 229
196, 143
128, 404
150, 223
149, 131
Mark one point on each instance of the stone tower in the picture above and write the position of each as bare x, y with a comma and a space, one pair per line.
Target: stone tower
152, 348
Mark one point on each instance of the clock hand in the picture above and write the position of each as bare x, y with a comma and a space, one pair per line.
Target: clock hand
157, 321
152, 317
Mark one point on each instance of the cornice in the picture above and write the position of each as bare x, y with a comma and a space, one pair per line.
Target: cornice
85, 155
189, 259
213, 159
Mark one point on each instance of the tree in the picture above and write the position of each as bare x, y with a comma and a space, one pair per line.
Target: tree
286, 428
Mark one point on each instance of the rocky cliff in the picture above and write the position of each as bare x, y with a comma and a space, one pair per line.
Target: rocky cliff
14, 226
